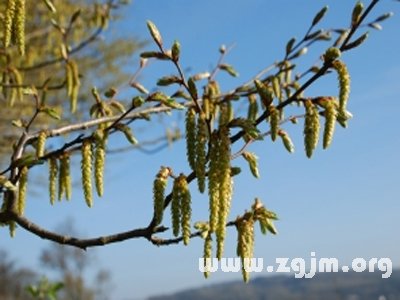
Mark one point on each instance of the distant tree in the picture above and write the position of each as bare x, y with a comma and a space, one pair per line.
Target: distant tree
66, 279
13, 279
58, 36
69, 265
211, 125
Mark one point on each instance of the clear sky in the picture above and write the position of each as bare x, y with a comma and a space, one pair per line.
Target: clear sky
342, 203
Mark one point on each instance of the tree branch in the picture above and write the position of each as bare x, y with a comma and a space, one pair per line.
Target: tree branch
77, 242
147, 232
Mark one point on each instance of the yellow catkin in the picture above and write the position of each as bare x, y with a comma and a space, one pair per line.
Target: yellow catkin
12, 96
86, 168
69, 78
252, 112
64, 178
213, 92
8, 21
185, 209
73, 84
17, 79
176, 208
12, 226
41, 142
207, 252
330, 121
23, 182
274, 119
19, 23
225, 114
53, 172
225, 188
344, 83
214, 181
276, 87
159, 185
245, 244
206, 106
220, 184
99, 163
311, 128
190, 124
61, 179
201, 155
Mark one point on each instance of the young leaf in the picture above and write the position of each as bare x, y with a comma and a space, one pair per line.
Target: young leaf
51, 112
318, 17
154, 33
140, 88
357, 42
154, 54
289, 45
384, 17
192, 88
168, 80
228, 68
176, 51
356, 14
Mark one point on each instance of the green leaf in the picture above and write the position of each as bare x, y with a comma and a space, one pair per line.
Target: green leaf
4, 182
158, 96
155, 54
51, 112
170, 102
168, 80
251, 159
118, 106
181, 94
228, 68
127, 132
17, 123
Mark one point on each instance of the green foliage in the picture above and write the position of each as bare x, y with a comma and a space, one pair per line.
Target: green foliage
44, 289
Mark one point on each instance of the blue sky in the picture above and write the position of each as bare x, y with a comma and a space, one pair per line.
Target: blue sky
342, 203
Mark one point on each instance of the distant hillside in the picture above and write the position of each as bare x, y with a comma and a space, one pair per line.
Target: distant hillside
325, 286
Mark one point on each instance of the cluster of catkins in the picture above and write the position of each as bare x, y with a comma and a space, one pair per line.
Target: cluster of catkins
14, 24
209, 155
